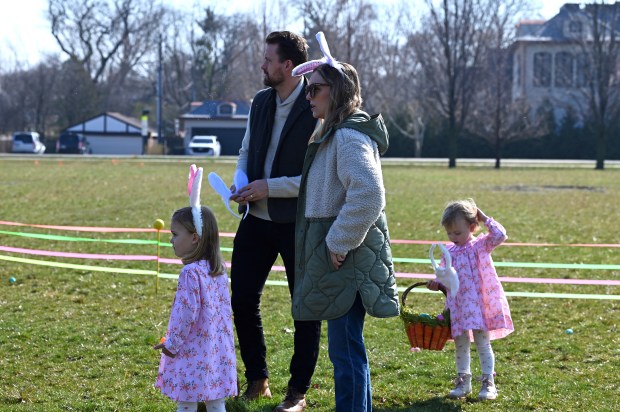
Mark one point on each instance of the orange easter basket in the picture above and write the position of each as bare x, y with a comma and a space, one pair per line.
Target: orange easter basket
423, 330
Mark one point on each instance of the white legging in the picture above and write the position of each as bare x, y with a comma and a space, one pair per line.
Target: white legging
217, 405
485, 352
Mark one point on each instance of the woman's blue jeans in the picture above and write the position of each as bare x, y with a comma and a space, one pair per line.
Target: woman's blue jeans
348, 355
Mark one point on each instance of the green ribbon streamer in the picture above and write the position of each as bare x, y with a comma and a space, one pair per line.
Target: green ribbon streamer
536, 294
527, 264
83, 239
87, 239
396, 260
78, 267
284, 283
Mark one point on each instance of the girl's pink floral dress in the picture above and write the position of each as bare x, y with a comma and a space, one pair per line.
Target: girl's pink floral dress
200, 332
480, 302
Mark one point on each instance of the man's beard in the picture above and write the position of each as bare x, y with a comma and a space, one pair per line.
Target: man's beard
272, 81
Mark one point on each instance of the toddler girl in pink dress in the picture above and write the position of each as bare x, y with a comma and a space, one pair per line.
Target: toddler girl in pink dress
198, 361
479, 312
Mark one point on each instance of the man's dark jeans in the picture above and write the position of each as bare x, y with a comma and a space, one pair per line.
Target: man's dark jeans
256, 247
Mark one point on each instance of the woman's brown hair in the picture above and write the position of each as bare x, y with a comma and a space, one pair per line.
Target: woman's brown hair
345, 95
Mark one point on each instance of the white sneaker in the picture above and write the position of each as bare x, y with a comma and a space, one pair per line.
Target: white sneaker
488, 392
462, 386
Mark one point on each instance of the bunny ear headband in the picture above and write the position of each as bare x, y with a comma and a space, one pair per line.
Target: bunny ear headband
447, 275
194, 184
308, 67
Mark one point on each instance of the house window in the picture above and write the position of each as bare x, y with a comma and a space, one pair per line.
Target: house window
225, 109
582, 70
542, 69
574, 27
563, 69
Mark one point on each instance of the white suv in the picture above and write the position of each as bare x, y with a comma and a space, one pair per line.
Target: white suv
27, 142
203, 146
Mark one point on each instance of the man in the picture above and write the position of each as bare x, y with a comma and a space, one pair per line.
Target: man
272, 155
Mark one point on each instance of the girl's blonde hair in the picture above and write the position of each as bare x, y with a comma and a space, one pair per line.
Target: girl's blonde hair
465, 208
208, 247
345, 96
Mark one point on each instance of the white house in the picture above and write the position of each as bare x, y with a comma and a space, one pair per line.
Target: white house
113, 133
549, 62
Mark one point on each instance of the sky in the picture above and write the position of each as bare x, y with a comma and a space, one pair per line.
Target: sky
25, 34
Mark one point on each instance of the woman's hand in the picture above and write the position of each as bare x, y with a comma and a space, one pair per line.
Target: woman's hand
337, 259
257, 190
164, 350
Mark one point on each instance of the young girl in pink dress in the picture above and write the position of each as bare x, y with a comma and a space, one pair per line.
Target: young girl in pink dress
198, 362
479, 311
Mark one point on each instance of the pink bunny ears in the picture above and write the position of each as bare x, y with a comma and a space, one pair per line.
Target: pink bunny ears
313, 64
194, 184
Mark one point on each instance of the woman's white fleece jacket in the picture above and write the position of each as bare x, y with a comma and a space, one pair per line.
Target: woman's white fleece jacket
350, 159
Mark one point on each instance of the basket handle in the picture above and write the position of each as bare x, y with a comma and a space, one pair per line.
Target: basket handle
442, 288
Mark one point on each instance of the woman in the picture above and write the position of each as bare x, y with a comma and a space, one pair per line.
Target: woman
343, 261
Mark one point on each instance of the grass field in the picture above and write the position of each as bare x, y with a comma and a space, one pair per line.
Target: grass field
80, 340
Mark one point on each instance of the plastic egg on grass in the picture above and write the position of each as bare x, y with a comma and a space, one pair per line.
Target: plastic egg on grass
12, 280
569, 331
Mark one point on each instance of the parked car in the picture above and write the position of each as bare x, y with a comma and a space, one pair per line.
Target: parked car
203, 146
27, 142
73, 143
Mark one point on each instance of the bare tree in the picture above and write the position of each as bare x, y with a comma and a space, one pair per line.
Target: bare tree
76, 97
223, 45
598, 71
29, 101
398, 91
350, 30
495, 116
450, 49
107, 37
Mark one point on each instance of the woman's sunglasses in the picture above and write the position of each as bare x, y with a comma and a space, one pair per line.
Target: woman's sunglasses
313, 88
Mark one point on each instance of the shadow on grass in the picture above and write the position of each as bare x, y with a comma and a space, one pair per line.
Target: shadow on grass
237, 405
438, 404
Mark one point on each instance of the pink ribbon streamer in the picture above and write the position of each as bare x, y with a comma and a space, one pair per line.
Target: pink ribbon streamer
604, 282
228, 234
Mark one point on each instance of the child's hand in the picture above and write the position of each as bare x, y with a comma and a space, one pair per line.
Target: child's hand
164, 350
481, 216
432, 285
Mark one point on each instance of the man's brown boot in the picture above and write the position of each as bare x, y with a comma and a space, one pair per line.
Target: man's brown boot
293, 402
257, 389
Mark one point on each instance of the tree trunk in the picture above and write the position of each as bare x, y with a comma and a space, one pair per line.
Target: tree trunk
452, 142
600, 150
498, 146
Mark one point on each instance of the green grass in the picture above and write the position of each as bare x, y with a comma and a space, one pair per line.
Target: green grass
81, 341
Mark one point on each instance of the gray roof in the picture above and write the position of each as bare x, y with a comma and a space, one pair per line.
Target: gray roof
554, 30
210, 108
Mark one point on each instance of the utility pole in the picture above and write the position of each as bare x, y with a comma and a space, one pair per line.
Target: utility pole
160, 136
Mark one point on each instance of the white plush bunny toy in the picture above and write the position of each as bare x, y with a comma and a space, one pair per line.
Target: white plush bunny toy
447, 275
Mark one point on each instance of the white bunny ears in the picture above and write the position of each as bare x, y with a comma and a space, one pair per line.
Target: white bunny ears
446, 276
240, 180
313, 64
194, 184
